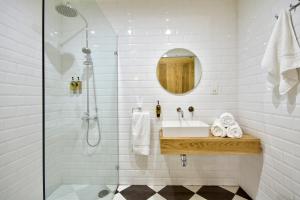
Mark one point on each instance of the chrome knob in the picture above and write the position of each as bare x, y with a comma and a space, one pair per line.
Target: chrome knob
179, 110
191, 109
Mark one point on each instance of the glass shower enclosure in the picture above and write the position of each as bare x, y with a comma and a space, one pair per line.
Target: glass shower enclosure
81, 102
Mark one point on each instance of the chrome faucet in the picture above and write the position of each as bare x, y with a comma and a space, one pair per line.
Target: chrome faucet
179, 110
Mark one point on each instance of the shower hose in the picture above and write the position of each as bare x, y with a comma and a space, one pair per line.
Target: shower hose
88, 118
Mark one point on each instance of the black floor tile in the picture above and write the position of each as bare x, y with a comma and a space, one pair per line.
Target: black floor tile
215, 193
176, 193
137, 192
243, 194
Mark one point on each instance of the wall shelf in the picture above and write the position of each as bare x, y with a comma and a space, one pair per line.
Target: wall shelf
248, 144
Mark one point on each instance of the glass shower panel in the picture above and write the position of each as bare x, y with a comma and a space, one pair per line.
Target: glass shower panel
81, 102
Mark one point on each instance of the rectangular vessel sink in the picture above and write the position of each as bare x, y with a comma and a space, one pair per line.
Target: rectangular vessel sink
182, 128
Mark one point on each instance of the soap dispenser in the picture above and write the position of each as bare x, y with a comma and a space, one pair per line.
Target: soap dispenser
158, 110
79, 85
73, 86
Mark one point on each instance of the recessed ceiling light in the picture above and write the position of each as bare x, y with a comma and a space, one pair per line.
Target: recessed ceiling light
168, 32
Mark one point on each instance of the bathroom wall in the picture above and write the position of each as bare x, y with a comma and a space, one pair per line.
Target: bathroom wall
20, 100
147, 29
275, 120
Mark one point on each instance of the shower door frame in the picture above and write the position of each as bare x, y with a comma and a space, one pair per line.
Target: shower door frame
43, 97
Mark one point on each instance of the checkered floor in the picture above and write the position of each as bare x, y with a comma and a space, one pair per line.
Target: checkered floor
172, 192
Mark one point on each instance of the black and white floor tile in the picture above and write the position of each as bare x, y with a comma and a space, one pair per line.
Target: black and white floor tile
178, 192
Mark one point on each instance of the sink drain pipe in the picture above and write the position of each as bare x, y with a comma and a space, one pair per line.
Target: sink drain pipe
183, 160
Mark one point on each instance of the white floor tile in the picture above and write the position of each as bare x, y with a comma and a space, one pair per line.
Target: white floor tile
232, 189
197, 197
237, 197
119, 197
193, 188
122, 187
156, 188
156, 197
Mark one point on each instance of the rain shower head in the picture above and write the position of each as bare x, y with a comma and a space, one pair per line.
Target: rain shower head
66, 10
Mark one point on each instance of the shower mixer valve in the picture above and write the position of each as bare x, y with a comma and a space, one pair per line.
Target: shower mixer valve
73, 86
76, 86
86, 116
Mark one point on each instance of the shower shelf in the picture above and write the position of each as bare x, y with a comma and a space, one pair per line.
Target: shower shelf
248, 144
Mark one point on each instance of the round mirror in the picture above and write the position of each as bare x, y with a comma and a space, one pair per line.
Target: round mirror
179, 71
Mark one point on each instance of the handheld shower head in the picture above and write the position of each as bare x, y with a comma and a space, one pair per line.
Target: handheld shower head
88, 57
86, 50
66, 10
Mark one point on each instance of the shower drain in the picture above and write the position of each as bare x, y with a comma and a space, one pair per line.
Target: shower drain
103, 193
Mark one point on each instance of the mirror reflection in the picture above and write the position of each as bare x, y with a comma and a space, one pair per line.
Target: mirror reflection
179, 71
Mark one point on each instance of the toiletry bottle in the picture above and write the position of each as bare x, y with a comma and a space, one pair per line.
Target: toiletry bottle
158, 110
73, 86
79, 85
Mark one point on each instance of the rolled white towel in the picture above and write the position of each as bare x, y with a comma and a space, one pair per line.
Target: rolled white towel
234, 131
227, 120
217, 129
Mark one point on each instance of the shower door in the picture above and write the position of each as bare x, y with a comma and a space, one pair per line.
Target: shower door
81, 125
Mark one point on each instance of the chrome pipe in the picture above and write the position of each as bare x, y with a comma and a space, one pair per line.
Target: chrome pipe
183, 159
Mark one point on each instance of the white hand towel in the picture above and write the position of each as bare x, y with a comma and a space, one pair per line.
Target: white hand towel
234, 131
217, 129
282, 56
140, 137
227, 119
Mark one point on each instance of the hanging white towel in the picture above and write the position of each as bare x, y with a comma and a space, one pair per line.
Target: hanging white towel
217, 129
234, 131
282, 56
140, 137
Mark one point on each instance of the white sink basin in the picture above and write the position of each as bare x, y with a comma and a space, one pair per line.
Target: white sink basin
182, 128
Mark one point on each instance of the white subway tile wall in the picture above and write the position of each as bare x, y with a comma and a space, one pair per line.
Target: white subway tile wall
20, 100
147, 29
275, 175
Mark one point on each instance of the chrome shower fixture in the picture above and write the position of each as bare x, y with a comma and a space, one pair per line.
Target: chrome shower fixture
86, 50
66, 10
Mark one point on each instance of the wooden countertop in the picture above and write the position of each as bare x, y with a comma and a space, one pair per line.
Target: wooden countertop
248, 144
